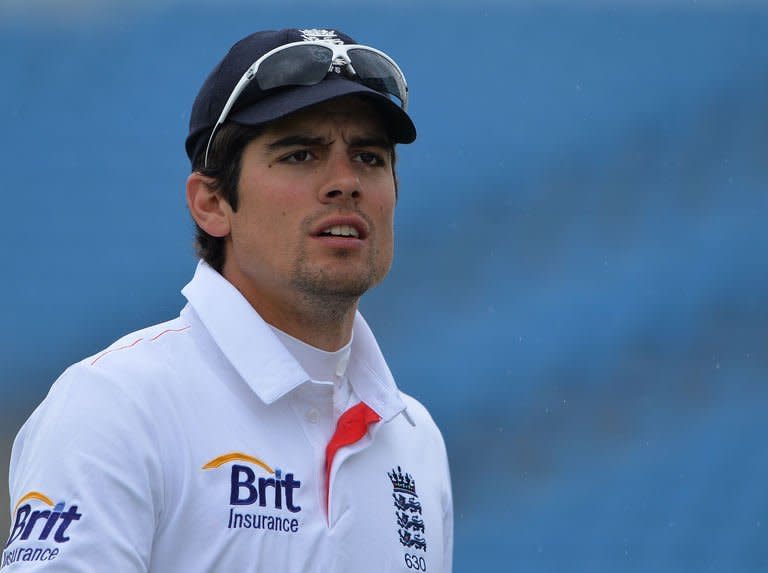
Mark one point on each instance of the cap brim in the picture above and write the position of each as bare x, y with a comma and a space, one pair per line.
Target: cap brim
293, 99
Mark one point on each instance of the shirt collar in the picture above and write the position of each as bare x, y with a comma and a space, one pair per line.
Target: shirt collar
263, 361
319, 364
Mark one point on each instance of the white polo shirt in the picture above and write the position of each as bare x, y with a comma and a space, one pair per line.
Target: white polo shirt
199, 445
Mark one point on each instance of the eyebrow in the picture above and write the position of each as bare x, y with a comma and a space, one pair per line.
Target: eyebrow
309, 141
371, 141
297, 141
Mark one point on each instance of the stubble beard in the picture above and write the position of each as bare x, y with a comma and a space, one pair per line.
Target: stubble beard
329, 296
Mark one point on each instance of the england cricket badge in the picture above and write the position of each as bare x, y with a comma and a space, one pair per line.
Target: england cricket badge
410, 524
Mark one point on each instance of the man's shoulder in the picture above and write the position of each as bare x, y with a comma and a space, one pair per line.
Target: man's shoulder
130, 367
115, 385
142, 349
419, 416
423, 439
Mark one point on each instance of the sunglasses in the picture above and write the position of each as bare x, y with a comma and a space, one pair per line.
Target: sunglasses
308, 63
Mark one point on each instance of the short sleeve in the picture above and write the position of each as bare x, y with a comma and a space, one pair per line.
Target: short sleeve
85, 480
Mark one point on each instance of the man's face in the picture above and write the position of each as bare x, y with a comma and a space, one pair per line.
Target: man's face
316, 206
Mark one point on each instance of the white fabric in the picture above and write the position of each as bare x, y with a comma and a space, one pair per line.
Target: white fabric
324, 367
123, 466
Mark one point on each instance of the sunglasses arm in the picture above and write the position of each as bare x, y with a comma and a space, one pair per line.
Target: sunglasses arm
246, 79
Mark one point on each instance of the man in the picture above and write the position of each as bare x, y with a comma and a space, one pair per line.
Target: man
261, 430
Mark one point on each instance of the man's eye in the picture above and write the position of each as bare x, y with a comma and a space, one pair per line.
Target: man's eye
370, 158
301, 156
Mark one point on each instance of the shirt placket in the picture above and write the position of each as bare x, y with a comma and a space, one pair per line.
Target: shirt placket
312, 406
355, 431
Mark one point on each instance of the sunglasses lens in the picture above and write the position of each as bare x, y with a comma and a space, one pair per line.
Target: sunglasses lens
377, 72
303, 65
308, 64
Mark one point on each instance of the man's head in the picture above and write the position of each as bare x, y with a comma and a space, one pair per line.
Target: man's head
270, 75
293, 187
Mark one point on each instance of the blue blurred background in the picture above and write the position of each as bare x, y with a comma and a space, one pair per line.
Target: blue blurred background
580, 291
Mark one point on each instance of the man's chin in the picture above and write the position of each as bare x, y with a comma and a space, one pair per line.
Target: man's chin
341, 289
342, 285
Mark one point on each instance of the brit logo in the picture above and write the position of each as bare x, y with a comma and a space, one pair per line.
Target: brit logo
41, 528
259, 502
407, 510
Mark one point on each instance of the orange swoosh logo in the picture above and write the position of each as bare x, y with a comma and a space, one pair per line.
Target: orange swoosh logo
34, 495
236, 456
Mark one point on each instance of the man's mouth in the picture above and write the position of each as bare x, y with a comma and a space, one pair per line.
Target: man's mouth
350, 228
340, 231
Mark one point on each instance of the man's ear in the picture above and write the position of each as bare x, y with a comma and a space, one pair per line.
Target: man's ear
207, 207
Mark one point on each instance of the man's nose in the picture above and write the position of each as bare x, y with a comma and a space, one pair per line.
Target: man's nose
341, 181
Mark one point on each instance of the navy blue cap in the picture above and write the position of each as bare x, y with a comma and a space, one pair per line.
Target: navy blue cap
256, 106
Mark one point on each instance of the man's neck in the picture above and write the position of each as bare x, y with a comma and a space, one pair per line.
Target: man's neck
324, 324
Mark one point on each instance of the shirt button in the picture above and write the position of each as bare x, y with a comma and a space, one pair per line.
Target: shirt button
313, 415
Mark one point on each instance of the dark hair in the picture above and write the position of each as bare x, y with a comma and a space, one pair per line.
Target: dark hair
224, 163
